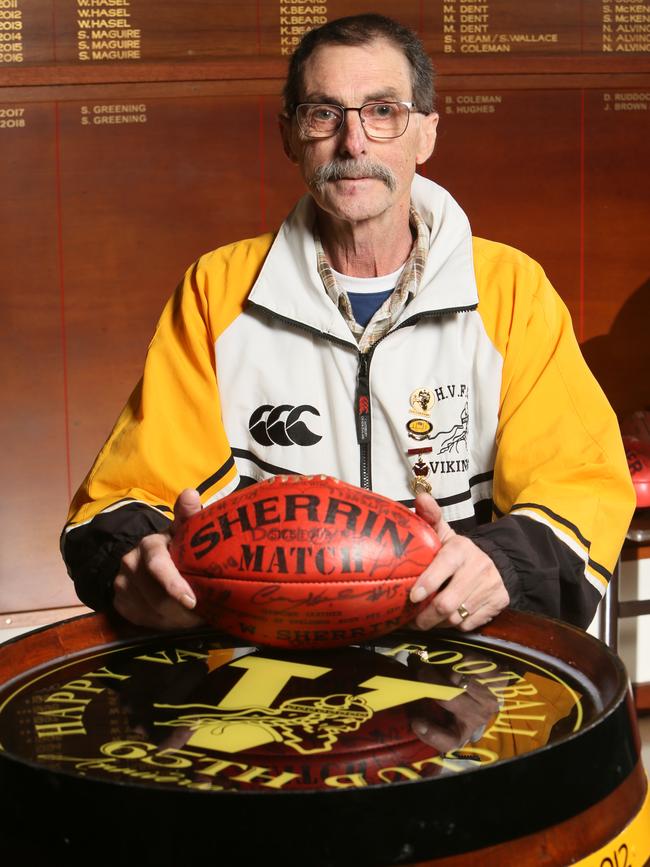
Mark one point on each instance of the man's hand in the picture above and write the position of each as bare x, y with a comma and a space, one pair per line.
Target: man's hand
466, 718
471, 580
148, 589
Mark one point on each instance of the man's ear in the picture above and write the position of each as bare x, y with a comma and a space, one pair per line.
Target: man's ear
426, 137
286, 133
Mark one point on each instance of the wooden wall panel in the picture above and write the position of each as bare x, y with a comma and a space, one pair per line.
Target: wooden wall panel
99, 223
512, 160
139, 203
117, 173
617, 249
33, 421
283, 184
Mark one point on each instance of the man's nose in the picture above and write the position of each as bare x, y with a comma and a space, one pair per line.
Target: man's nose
352, 138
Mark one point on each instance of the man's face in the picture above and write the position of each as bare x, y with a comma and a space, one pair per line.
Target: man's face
351, 76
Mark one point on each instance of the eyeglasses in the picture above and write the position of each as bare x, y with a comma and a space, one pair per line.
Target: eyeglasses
379, 119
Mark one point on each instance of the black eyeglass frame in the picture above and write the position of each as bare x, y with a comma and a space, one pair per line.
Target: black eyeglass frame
408, 105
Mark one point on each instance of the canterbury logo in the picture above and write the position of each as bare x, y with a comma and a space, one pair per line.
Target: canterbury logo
282, 425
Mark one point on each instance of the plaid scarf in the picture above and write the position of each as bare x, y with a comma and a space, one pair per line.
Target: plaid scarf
391, 309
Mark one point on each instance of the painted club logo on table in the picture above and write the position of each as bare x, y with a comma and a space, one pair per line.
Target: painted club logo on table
246, 719
308, 725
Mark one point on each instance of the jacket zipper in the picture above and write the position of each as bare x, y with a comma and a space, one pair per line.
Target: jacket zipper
363, 415
363, 418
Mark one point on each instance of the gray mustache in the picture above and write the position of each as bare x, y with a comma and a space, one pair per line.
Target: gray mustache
339, 169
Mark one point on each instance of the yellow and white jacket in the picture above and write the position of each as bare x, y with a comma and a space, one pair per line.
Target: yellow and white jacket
252, 372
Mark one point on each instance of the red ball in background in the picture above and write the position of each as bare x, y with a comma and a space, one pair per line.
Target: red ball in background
637, 452
304, 561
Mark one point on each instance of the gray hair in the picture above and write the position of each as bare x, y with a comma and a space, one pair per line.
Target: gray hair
362, 30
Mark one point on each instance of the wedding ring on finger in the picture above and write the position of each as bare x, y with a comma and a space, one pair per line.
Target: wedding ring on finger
463, 612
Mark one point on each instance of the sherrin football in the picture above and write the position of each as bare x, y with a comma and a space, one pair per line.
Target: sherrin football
304, 562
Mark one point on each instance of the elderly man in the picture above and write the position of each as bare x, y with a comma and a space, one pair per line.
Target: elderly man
371, 339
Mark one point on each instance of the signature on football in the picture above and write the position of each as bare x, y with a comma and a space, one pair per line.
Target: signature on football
273, 596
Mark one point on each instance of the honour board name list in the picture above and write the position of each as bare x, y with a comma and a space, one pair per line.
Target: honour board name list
85, 32
296, 19
105, 31
499, 28
113, 114
468, 28
626, 27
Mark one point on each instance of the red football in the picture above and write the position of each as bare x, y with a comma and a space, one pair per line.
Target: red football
638, 461
304, 561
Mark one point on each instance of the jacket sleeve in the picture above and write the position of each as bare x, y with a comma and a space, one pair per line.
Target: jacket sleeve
562, 492
170, 434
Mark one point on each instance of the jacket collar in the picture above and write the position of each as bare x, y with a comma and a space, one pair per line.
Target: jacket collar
289, 284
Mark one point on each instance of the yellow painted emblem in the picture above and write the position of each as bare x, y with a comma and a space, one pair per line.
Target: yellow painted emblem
419, 428
310, 724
